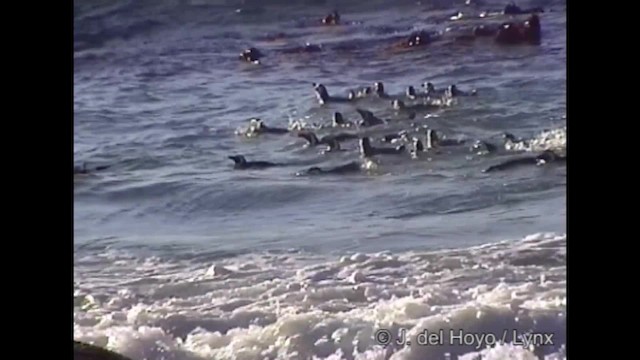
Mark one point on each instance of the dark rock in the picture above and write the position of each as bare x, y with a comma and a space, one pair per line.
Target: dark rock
82, 351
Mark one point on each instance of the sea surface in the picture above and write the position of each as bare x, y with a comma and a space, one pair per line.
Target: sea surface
177, 255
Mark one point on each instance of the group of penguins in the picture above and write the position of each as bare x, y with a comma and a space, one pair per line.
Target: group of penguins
415, 142
507, 33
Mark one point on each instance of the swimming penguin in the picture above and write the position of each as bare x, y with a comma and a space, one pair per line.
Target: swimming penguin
332, 19
259, 127
430, 90
453, 91
366, 150
481, 146
348, 168
378, 90
323, 95
83, 170
418, 147
411, 93
428, 87
251, 55
241, 163
418, 39
368, 119
363, 92
339, 121
313, 140
415, 39
546, 157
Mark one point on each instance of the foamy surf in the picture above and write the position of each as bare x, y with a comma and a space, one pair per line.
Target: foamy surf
488, 301
555, 139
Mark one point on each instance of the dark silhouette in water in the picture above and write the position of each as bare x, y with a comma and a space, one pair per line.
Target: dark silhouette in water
453, 91
367, 150
508, 33
415, 40
418, 146
323, 95
262, 128
513, 9
241, 163
368, 119
481, 145
313, 140
378, 89
513, 33
546, 157
430, 90
84, 170
348, 168
332, 19
338, 120
411, 93
251, 55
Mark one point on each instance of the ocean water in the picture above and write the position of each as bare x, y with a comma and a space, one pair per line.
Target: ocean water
179, 256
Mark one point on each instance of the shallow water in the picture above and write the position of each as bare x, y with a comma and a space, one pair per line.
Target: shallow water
150, 76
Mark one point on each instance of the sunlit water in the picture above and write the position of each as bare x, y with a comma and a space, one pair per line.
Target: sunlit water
150, 77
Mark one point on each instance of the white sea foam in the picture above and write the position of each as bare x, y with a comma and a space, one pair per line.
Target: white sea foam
555, 139
305, 306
